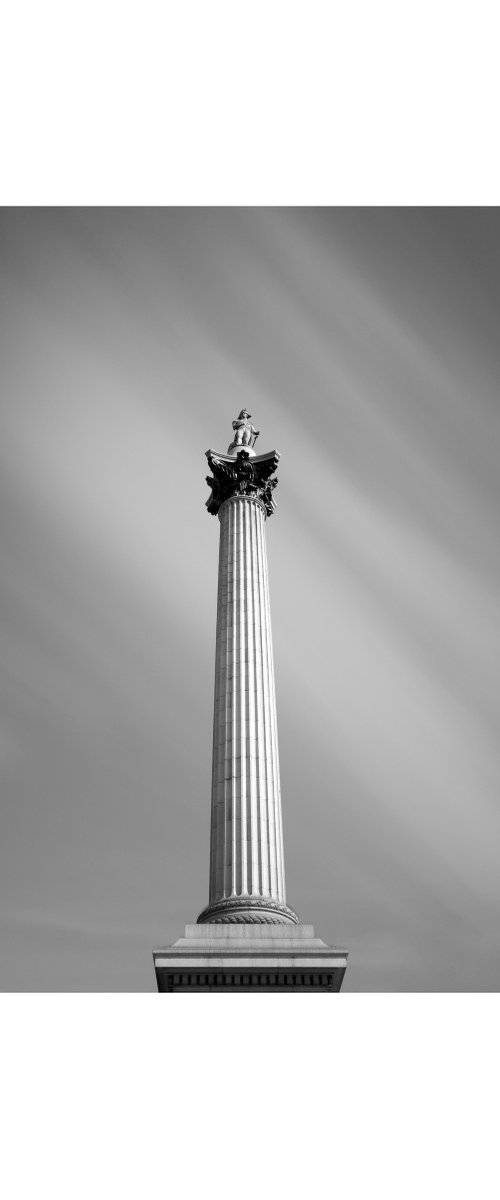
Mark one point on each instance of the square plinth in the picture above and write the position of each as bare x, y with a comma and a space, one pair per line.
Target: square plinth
249, 958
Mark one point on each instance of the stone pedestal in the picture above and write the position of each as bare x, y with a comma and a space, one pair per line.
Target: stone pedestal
249, 958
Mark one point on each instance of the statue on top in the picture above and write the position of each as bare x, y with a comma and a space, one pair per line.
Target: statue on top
245, 435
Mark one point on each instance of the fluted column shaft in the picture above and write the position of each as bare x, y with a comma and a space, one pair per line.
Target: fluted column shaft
246, 842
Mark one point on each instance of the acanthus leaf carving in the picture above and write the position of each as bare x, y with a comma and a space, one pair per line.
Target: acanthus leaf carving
242, 476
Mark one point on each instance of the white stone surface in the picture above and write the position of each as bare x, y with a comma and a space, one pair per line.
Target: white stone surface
248, 932
251, 947
246, 841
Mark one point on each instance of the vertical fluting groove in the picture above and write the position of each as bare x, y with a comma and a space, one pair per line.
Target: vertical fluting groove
235, 616
236, 699
274, 743
229, 750
270, 766
221, 773
256, 833
246, 839
226, 750
249, 840
225, 549
237, 731
270, 759
220, 685
241, 680
241, 873
225, 851
266, 882
266, 766
225, 845
214, 814
260, 757
217, 884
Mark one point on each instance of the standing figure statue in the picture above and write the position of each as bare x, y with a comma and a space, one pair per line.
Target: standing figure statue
244, 434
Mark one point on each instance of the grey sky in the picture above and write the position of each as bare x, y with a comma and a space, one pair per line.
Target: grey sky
365, 343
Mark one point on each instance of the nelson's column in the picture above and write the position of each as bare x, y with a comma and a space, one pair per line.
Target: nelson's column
247, 938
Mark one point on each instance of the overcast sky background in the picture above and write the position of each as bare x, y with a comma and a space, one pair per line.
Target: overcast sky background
366, 345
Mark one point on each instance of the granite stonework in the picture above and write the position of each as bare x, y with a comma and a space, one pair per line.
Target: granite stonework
247, 938
249, 958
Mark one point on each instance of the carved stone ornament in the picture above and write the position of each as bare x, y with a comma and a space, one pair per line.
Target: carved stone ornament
247, 910
242, 476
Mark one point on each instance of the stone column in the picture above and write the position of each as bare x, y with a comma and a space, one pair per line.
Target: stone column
247, 939
247, 874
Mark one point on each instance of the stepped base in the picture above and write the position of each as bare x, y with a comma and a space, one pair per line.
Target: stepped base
249, 958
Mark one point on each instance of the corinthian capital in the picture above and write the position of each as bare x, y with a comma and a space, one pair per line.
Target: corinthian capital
242, 475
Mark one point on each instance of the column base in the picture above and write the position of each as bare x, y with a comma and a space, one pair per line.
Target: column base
249, 958
248, 910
